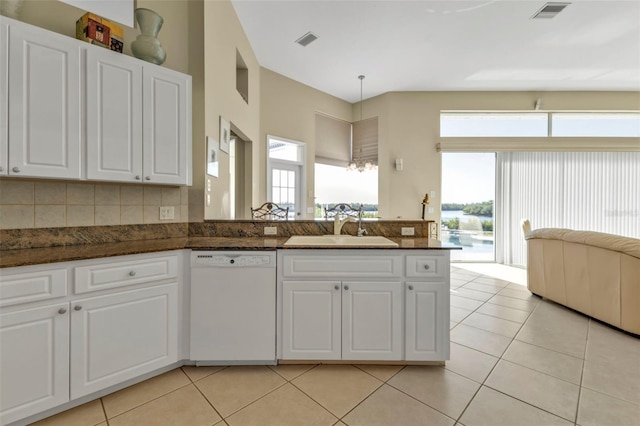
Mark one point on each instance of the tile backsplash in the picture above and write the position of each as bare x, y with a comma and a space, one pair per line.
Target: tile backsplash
49, 204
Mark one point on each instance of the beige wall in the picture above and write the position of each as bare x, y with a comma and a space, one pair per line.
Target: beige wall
223, 35
409, 128
288, 110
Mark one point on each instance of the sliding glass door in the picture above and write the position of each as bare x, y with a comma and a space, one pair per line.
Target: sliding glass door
468, 194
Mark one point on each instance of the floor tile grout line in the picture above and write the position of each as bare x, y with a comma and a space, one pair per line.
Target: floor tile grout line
584, 362
422, 402
207, 399
254, 401
311, 398
151, 400
361, 402
528, 403
104, 411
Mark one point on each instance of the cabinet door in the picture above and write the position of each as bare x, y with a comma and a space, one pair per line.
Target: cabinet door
121, 336
372, 320
114, 116
34, 361
4, 98
44, 99
427, 321
167, 126
311, 320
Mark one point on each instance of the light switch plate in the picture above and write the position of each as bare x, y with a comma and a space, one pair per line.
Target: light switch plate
408, 231
270, 230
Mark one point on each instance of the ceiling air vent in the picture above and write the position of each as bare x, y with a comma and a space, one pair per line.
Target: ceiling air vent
307, 39
550, 10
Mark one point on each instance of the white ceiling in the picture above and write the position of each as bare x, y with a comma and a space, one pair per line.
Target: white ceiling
427, 45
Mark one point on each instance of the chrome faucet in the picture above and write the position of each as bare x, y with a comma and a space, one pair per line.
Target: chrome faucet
339, 223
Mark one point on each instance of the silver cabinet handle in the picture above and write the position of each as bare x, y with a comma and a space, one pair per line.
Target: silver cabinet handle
147, 177
337, 287
138, 177
77, 307
62, 311
410, 287
346, 287
16, 169
132, 273
426, 267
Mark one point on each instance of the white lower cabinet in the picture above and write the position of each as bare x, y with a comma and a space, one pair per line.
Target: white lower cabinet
372, 321
311, 317
389, 305
120, 336
350, 320
34, 360
56, 346
426, 320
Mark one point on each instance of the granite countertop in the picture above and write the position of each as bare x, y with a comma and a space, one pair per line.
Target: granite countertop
35, 256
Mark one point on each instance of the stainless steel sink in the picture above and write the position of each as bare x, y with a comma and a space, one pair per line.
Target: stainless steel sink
339, 240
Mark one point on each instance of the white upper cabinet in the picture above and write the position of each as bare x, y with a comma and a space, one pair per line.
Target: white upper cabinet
4, 98
138, 121
70, 110
167, 126
114, 116
44, 104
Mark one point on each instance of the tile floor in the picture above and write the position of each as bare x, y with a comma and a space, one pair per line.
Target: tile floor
515, 360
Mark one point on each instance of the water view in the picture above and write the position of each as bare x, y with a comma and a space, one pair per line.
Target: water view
474, 233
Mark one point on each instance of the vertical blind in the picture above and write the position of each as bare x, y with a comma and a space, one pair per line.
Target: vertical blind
596, 191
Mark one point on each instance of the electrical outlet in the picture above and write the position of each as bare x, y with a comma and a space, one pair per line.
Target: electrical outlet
270, 230
166, 213
310, 210
408, 231
430, 210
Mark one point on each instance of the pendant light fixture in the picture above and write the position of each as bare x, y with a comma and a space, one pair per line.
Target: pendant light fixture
357, 163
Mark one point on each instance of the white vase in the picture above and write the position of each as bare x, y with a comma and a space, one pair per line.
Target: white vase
10, 8
146, 46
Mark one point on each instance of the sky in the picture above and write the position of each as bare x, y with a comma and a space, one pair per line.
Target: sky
337, 185
468, 177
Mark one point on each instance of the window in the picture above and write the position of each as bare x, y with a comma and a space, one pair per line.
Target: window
595, 124
285, 171
493, 124
335, 184
540, 124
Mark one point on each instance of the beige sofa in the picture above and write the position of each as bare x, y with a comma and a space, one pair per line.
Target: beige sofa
594, 273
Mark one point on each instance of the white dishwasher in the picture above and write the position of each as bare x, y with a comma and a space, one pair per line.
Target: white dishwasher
233, 307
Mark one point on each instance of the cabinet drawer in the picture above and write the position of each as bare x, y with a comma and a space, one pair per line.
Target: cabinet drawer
426, 266
32, 286
123, 273
342, 266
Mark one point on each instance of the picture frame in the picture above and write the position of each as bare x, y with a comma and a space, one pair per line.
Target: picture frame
225, 134
213, 157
